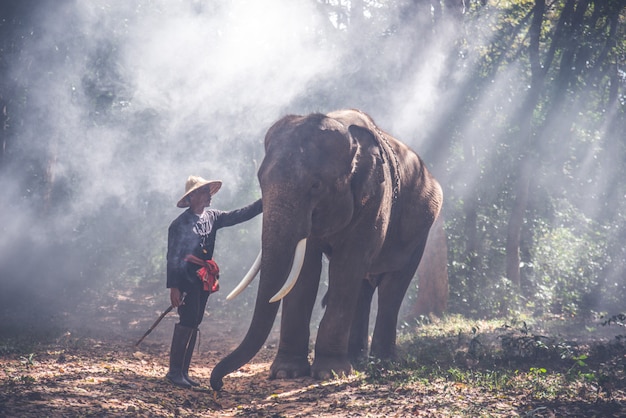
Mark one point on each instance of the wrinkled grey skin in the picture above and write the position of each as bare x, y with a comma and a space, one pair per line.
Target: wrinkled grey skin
362, 198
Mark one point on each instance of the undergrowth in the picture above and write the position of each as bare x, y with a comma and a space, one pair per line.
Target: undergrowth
506, 356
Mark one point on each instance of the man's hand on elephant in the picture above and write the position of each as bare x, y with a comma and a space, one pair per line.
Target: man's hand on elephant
176, 297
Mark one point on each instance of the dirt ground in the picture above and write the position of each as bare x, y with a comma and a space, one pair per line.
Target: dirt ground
90, 374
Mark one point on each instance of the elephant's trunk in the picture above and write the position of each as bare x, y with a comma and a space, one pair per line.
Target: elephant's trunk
275, 266
260, 327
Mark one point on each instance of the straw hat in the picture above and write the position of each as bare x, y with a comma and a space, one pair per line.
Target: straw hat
194, 183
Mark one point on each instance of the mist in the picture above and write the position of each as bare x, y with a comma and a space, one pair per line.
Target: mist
122, 100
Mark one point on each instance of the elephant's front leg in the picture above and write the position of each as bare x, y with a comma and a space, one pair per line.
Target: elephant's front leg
292, 359
331, 347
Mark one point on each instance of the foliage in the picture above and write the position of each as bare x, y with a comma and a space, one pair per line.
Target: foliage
569, 250
473, 289
618, 319
569, 260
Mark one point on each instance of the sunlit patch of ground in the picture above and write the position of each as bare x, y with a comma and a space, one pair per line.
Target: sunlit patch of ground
448, 367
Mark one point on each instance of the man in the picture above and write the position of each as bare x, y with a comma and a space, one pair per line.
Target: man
191, 272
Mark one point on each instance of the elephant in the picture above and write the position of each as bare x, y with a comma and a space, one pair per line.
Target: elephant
335, 185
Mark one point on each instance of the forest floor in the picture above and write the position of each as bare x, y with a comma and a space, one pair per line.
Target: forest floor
448, 367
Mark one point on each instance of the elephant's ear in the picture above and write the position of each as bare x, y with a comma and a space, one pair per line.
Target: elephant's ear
368, 175
368, 143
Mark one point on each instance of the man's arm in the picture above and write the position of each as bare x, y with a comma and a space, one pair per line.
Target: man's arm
175, 254
237, 216
176, 297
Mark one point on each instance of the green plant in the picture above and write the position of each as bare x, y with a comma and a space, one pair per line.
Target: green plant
28, 360
569, 259
618, 319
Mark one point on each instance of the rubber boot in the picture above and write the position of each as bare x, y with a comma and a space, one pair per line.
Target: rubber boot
188, 355
180, 340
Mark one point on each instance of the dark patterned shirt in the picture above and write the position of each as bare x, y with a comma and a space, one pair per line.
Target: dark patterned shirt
195, 234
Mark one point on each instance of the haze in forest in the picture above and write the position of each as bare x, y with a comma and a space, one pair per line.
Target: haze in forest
125, 99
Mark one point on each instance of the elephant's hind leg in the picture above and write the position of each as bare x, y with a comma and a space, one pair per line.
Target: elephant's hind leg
359, 333
391, 291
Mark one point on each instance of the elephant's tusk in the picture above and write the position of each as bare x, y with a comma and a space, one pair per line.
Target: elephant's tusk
247, 279
298, 261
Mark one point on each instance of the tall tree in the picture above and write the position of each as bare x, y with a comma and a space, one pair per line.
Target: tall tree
584, 36
527, 139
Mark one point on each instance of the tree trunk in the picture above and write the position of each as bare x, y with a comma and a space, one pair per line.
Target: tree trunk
432, 273
516, 222
527, 141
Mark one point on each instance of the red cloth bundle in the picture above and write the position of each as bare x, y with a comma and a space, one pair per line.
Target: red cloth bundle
208, 273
